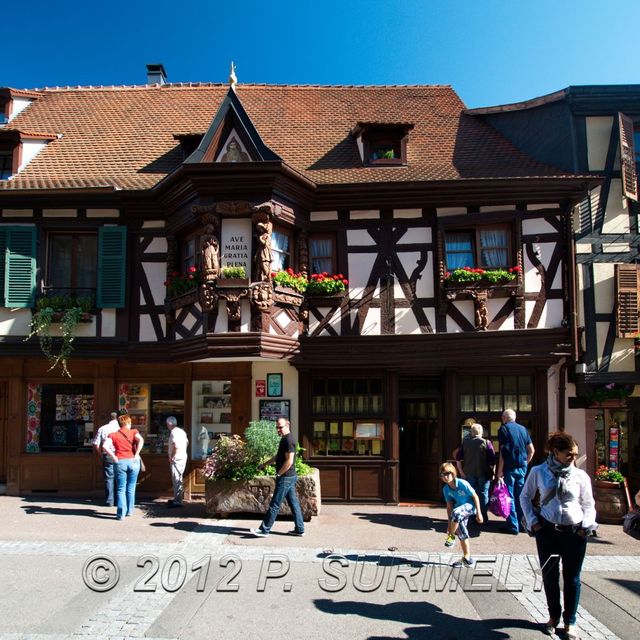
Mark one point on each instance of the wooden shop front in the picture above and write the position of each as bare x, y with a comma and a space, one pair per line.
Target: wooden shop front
51, 420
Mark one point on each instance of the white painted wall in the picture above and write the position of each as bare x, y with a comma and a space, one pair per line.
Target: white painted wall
15, 322
18, 105
616, 216
156, 274
30, 149
598, 136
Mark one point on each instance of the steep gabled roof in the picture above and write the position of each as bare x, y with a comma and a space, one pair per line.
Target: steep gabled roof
125, 137
232, 114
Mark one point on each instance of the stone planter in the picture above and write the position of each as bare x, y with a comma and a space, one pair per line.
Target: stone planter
611, 501
253, 496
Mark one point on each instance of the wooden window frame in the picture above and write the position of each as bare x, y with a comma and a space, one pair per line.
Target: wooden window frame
475, 230
75, 268
324, 236
289, 253
184, 258
626, 289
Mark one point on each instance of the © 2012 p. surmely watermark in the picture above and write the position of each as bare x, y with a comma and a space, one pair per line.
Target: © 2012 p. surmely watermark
366, 574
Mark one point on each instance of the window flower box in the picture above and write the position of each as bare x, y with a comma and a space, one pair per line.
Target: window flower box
232, 282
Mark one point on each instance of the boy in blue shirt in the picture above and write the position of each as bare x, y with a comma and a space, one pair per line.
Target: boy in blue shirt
462, 502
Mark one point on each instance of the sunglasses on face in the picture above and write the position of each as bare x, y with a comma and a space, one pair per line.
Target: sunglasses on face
445, 474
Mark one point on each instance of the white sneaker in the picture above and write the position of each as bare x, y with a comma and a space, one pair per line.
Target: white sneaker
259, 533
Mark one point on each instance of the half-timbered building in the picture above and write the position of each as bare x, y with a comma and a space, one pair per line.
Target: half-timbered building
592, 129
142, 197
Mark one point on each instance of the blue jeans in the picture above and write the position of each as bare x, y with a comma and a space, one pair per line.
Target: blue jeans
108, 473
285, 490
126, 477
514, 479
481, 486
571, 548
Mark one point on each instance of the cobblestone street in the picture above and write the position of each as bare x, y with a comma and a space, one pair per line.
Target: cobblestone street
190, 576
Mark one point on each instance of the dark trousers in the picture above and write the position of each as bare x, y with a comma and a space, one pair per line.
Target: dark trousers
571, 548
108, 473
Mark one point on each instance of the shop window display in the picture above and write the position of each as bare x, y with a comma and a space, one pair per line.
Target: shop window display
211, 415
149, 405
60, 417
346, 417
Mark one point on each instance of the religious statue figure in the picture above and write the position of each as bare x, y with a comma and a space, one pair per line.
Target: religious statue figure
210, 260
234, 153
263, 254
203, 438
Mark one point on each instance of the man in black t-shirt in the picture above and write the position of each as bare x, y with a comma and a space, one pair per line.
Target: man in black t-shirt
285, 488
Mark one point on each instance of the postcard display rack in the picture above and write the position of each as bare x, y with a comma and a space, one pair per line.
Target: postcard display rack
134, 398
211, 415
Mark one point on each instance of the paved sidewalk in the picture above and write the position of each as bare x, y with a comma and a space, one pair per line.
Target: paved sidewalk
362, 571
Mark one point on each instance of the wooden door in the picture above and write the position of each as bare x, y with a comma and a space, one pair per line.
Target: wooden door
420, 449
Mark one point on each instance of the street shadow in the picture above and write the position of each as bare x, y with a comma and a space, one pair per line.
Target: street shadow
385, 560
51, 505
631, 585
66, 511
405, 521
429, 620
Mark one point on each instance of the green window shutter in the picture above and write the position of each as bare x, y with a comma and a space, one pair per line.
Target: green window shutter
20, 267
112, 266
3, 258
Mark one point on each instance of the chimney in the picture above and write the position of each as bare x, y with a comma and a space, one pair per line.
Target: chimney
156, 74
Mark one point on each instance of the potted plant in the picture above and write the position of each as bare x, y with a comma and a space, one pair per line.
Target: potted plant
66, 310
233, 277
324, 284
177, 284
610, 495
288, 279
608, 394
477, 275
234, 484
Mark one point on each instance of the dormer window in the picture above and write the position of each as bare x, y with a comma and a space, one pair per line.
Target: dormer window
382, 144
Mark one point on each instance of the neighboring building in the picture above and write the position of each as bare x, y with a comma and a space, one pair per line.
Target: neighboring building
391, 187
591, 129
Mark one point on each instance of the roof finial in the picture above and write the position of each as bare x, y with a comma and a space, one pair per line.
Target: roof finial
233, 80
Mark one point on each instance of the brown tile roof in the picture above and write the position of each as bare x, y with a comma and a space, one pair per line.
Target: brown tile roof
123, 137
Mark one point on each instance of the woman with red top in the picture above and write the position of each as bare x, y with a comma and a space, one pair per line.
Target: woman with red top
124, 448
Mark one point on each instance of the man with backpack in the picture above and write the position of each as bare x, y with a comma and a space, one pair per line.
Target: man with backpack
516, 451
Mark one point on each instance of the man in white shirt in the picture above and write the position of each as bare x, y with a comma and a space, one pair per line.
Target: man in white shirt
108, 471
178, 442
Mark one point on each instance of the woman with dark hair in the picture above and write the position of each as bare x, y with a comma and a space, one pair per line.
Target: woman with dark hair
559, 509
124, 447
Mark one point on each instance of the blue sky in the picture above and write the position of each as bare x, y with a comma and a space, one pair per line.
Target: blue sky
490, 51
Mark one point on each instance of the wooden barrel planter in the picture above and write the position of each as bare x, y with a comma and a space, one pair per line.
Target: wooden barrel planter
611, 501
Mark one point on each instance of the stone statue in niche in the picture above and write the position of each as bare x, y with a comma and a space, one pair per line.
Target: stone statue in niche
234, 153
210, 260
262, 258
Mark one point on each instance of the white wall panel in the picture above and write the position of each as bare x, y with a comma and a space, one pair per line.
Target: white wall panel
604, 283
359, 238
598, 136
616, 217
